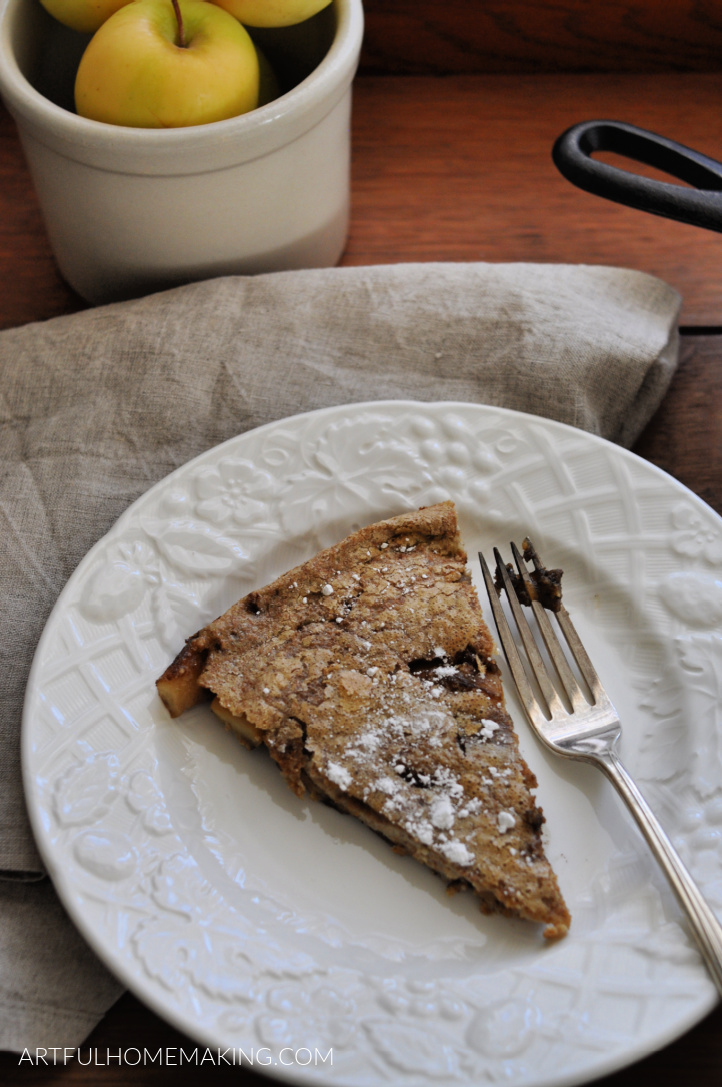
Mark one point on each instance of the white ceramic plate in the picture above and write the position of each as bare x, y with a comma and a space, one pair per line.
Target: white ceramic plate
251, 919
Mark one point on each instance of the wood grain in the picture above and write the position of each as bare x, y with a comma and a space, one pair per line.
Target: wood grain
31, 288
458, 168
421, 37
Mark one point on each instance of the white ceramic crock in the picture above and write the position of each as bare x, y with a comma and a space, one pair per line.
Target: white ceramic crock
129, 211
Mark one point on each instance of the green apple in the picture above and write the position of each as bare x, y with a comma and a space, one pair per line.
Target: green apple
83, 15
272, 12
167, 64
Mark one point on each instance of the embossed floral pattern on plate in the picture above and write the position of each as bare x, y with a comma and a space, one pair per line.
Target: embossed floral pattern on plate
250, 918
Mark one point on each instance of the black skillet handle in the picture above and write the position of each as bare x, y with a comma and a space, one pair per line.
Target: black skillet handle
699, 206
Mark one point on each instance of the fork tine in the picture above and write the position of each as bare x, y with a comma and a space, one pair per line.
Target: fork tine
572, 638
580, 654
534, 656
511, 652
566, 676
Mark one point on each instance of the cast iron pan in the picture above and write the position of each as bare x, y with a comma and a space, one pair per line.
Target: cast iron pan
700, 205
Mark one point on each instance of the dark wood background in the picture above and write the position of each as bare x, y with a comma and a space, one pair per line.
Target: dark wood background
457, 105
419, 37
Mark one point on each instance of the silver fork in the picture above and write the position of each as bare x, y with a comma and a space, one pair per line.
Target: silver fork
588, 727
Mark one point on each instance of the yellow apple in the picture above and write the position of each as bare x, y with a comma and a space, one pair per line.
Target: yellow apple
83, 15
272, 12
139, 71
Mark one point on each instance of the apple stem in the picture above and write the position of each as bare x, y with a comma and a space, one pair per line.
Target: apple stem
181, 28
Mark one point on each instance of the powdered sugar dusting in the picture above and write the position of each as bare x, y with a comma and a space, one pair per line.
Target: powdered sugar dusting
457, 853
393, 765
488, 728
442, 813
339, 775
388, 785
409, 741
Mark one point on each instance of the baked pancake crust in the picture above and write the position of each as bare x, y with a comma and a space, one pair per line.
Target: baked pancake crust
368, 674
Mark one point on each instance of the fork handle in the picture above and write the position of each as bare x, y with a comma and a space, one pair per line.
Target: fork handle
706, 929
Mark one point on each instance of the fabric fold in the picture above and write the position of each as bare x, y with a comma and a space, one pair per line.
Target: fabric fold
98, 406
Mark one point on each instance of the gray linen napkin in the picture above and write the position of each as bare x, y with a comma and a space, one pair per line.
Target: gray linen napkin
98, 406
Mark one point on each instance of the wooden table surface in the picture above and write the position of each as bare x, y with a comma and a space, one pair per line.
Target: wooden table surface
458, 168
